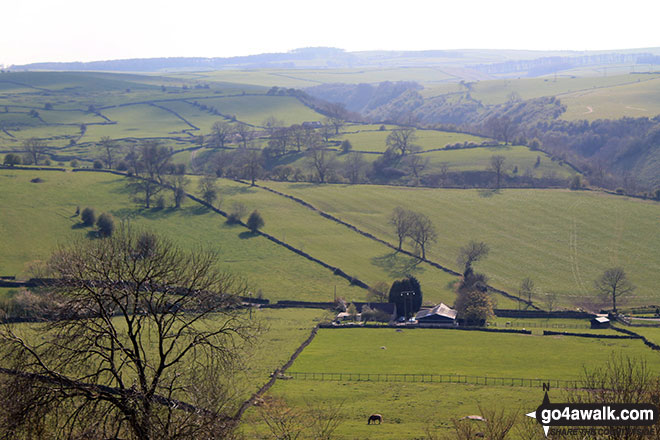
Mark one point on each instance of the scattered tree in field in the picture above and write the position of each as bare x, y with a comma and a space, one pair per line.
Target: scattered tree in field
88, 217
35, 149
252, 165
497, 166
401, 140
527, 290
255, 221
416, 163
238, 211
473, 302
106, 225
108, 147
123, 387
148, 165
470, 254
178, 184
402, 220
246, 133
321, 162
208, 189
576, 182
613, 284
354, 167
550, 301
407, 295
422, 232
12, 159
378, 292
221, 133
474, 306
346, 146
326, 131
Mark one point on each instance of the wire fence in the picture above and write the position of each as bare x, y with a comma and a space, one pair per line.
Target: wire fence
434, 378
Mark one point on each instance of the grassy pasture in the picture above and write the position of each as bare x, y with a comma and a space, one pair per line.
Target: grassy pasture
337, 245
36, 217
462, 352
515, 156
498, 91
136, 121
427, 139
408, 409
636, 99
255, 109
563, 240
650, 333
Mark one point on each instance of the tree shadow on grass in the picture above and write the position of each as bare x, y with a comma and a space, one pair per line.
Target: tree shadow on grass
398, 265
247, 235
235, 190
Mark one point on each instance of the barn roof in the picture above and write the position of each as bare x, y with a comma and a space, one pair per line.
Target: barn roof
601, 319
439, 310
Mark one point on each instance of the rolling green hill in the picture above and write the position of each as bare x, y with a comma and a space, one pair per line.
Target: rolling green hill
561, 239
36, 217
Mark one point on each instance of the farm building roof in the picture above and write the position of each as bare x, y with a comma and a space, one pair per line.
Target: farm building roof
441, 310
602, 319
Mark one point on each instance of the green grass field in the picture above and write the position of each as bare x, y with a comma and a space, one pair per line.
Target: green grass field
256, 109
428, 351
407, 409
335, 244
634, 100
563, 240
39, 216
374, 140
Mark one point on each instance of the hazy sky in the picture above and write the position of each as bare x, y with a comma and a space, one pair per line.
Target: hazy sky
84, 30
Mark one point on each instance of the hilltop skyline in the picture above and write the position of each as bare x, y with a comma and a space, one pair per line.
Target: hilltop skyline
40, 31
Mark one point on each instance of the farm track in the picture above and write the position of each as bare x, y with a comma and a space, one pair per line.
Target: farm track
381, 241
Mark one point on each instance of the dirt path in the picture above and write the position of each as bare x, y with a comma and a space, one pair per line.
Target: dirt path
589, 110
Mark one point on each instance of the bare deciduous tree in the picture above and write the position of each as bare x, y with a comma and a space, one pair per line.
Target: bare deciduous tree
402, 220
178, 183
246, 133
378, 292
208, 189
109, 150
527, 290
470, 254
221, 133
497, 166
320, 161
416, 163
614, 284
143, 346
401, 140
422, 232
35, 149
354, 166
